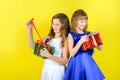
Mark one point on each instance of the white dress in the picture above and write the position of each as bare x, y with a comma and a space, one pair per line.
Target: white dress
51, 69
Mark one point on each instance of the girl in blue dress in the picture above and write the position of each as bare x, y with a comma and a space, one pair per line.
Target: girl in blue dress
81, 65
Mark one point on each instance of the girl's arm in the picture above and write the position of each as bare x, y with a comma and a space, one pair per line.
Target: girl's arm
73, 49
99, 47
65, 55
30, 34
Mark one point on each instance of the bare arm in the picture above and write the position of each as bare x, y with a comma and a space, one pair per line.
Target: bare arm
73, 49
99, 47
65, 55
30, 34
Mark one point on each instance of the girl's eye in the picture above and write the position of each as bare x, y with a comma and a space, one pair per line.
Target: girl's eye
83, 21
56, 24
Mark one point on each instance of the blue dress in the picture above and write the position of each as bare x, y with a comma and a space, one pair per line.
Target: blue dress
82, 66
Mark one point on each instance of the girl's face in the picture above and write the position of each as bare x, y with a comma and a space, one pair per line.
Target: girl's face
56, 25
82, 24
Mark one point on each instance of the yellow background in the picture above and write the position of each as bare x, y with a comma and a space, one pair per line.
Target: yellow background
17, 61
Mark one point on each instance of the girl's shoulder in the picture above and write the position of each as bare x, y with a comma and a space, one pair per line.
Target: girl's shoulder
75, 35
72, 33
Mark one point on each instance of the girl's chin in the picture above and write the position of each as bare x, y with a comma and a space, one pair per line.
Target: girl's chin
82, 28
56, 32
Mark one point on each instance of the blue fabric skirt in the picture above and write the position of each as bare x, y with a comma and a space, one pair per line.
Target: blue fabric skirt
83, 67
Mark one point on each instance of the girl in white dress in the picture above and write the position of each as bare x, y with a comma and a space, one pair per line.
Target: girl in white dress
54, 65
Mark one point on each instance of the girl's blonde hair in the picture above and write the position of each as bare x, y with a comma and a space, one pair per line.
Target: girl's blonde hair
78, 15
65, 28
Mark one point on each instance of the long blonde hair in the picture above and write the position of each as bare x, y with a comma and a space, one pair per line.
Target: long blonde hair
78, 15
65, 28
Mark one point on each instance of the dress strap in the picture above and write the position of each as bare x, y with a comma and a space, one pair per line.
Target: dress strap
72, 33
46, 40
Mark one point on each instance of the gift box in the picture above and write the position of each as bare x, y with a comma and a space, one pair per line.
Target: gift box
93, 41
40, 45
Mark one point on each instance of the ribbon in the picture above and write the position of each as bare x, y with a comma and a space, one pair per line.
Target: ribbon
40, 42
35, 28
93, 38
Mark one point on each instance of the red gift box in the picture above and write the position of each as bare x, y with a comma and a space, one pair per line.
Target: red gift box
93, 41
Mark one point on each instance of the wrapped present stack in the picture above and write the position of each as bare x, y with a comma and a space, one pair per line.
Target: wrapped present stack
93, 41
40, 44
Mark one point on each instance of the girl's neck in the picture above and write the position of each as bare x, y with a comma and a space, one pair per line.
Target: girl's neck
57, 35
80, 31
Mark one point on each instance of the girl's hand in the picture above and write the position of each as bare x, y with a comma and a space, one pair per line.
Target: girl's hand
84, 39
29, 24
99, 47
44, 52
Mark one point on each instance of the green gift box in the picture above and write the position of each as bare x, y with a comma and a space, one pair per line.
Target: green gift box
39, 46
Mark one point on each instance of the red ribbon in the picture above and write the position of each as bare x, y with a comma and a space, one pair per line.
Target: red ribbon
35, 28
40, 42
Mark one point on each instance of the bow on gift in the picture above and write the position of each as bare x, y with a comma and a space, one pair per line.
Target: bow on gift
93, 41
40, 42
